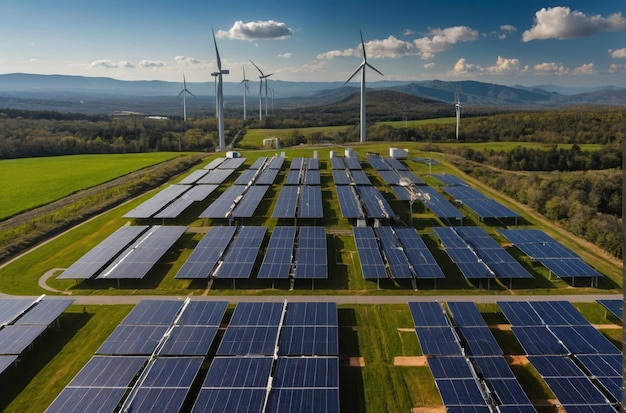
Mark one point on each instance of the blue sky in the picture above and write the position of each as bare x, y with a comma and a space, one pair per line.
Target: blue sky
527, 42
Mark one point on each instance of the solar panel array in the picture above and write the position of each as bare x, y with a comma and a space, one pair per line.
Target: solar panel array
554, 335
196, 193
559, 260
275, 357
23, 320
216, 177
149, 362
262, 172
432, 200
311, 260
482, 205
302, 201
615, 307
242, 253
372, 264
350, 162
470, 264
350, 177
349, 202
375, 204
278, 257
136, 260
209, 251
159, 201
223, 206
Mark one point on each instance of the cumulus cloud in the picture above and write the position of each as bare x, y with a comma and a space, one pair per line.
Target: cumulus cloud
504, 65
440, 40
108, 64
618, 54
408, 32
152, 63
259, 30
189, 60
563, 23
385, 48
585, 69
285, 55
505, 30
551, 68
462, 66
429, 66
613, 68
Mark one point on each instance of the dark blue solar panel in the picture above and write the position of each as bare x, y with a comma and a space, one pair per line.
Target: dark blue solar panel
267, 177
172, 372
508, 391
109, 371
102, 254
558, 313
286, 203
214, 163
132, 340
279, 253
308, 340
602, 365
394, 253
576, 391
538, 340
376, 206
311, 314
390, 176
230, 372
569, 267
242, 253
438, 341
438, 204
203, 313
482, 205
372, 265
232, 163
470, 264
230, 400
311, 253
613, 306
395, 164
189, 340
153, 312
297, 163
378, 163
466, 314
45, 311
360, 178
419, 255
492, 367
520, 313
221, 207
480, 341
276, 162
428, 314
312, 177
243, 341
256, 314
157, 202
470, 409
460, 392
15, 339
450, 367
306, 372
613, 385
449, 180
260, 161
349, 202
304, 400
197, 193
310, 202
138, 259
85, 399
410, 176
555, 366
11, 308
248, 204
193, 177
294, 177
584, 340
203, 259
342, 177
152, 399
352, 163
246, 176
337, 163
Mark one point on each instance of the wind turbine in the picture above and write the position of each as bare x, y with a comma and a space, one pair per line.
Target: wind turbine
214, 76
457, 109
184, 93
220, 95
361, 68
245, 91
261, 77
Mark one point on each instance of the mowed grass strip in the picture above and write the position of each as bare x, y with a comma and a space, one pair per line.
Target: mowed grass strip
33, 182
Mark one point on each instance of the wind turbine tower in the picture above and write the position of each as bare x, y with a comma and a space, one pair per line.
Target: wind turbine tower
184, 92
457, 109
220, 96
362, 68
245, 92
261, 77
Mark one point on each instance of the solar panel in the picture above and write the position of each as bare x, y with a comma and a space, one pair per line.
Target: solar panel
232, 163
352, 163
613, 306
575, 391
520, 313
359, 177
230, 400
376, 206
214, 163
349, 202
393, 253
242, 253
455, 367
267, 177
189, 341
87, 399
378, 163
294, 177
337, 163
12, 308
108, 371
150, 399
418, 254
286, 203
45, 311
559, 313
297, 163
390, 176
308, 340
428, 314
278, 256
492, 367
103, 253
260, 161
203, 313
538, 340
480, 341
133, 340
602, 365
341, 176
246, 176
15, 339
248, 341
450, 180
157, 202
312, 177
197, 193
311, 254
138, 259
508, 392
304, 400
153, 312
460, 392
310, 203
276, 162
238, 372
311, 314
372, 265
482, 205
177, 372
438, 341
223, 205
216, 176
470, 264
207, 253
248, 204
465, 314
584, 340
306, 372
256, 314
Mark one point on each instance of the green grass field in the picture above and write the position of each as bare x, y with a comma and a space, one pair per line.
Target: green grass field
33, 182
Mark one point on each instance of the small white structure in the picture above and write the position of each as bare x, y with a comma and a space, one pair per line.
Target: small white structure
333, 154
397, 153
349, 153
233, 154
314, 154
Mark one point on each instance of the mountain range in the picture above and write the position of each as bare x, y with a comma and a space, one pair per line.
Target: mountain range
106, 95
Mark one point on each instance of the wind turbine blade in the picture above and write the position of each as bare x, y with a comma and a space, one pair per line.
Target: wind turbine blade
217, 53
257, 67
363, 46
374, 69
358, 69
244, 73
191, 93
181, 92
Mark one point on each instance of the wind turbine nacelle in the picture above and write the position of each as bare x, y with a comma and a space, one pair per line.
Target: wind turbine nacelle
225, 71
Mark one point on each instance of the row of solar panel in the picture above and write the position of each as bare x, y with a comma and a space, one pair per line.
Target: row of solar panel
303, 201
362, 201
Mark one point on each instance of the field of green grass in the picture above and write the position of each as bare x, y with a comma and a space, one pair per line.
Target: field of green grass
32, 182
254, 137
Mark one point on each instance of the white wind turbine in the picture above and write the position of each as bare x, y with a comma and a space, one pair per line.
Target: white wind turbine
214, 76
245, 91
261, 77
220, 95
457, 109
184, 92
362, 68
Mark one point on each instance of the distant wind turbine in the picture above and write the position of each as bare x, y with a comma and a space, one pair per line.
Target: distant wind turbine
245, 91
457, 109
184, 92
362, 68
220, 95
261, 77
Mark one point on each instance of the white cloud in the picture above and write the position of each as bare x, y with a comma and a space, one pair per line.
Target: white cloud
562, 23
551, 68
504, 65
407, 32
152, 63
184, 59
285, 56
429, 65
586, 69
618, 54
334, 53
463, 67
505, 30
263, 30
107, 64
386, 48
613, 68
440, 40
